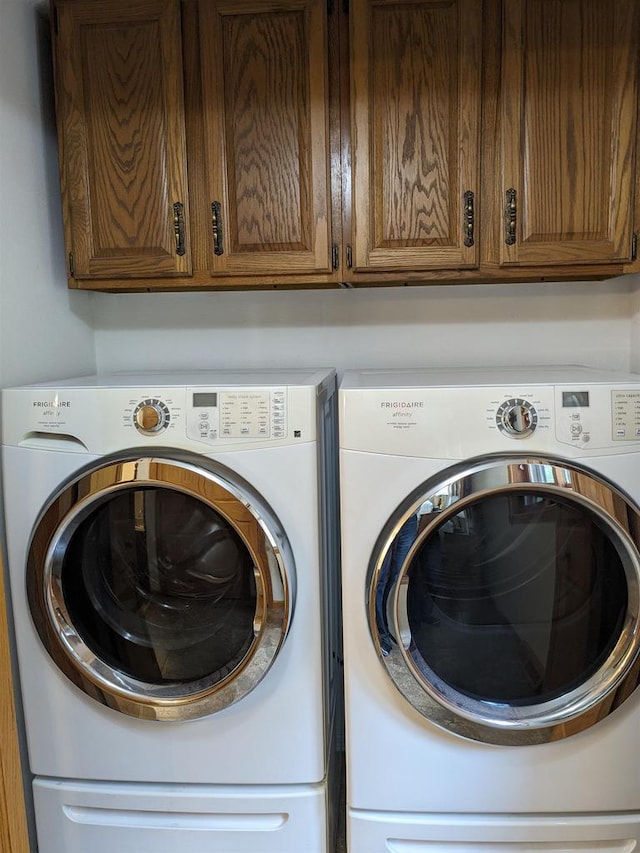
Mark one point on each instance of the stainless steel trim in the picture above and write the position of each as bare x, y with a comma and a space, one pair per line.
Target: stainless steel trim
492, 722
228, 495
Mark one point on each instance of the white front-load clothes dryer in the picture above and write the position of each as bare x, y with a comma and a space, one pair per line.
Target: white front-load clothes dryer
491, 589
173, 557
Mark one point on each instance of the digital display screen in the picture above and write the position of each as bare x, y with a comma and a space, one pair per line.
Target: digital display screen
575, 399
205, 400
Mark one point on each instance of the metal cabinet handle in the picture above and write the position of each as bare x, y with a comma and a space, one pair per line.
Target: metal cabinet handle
468, 218
216, 227
178, 227
510, 217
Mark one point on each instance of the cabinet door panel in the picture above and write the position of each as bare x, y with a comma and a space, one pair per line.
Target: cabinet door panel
568, 130
415, 90
122, 146
265, 97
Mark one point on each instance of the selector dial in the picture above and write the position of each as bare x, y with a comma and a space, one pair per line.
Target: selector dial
517, 418
151, 416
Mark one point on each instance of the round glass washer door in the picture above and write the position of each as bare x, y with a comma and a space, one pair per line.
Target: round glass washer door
162, 587
504, 599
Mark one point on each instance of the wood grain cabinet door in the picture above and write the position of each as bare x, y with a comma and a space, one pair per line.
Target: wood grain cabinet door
121, 136
415, 93
265, 95
569, 88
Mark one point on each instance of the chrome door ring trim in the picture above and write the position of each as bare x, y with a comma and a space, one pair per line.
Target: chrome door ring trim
218, 488
497, 723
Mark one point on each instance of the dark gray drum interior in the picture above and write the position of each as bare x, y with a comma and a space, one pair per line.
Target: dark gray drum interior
518, 598
160, 586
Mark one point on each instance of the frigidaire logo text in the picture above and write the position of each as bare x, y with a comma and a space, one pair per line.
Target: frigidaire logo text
402, 404
51, 404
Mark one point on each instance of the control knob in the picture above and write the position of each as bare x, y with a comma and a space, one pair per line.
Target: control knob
151, 416
517, 418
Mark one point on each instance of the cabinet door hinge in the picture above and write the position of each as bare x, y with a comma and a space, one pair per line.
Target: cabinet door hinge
329, 7
335, 256
55, 20
349, 257
345, 6
72, 269
634, 247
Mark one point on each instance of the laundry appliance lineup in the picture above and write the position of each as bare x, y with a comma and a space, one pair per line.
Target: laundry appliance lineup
190, 557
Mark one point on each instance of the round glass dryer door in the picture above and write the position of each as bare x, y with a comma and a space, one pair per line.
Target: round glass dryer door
162, 588
504, 599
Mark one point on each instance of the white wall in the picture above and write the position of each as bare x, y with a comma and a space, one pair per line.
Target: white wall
634, 320
45, 330
577, 323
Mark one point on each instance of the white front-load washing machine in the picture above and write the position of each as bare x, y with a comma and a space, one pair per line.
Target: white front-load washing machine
173, 553
491, 602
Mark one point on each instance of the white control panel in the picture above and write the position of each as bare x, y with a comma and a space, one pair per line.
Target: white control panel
458, 422
212, 415
198, 416
245, 413
625, 406
581, 414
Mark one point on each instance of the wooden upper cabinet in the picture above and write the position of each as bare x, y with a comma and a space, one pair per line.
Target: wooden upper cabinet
265, 105
396, 141
569, 89
121, 137
416, 71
